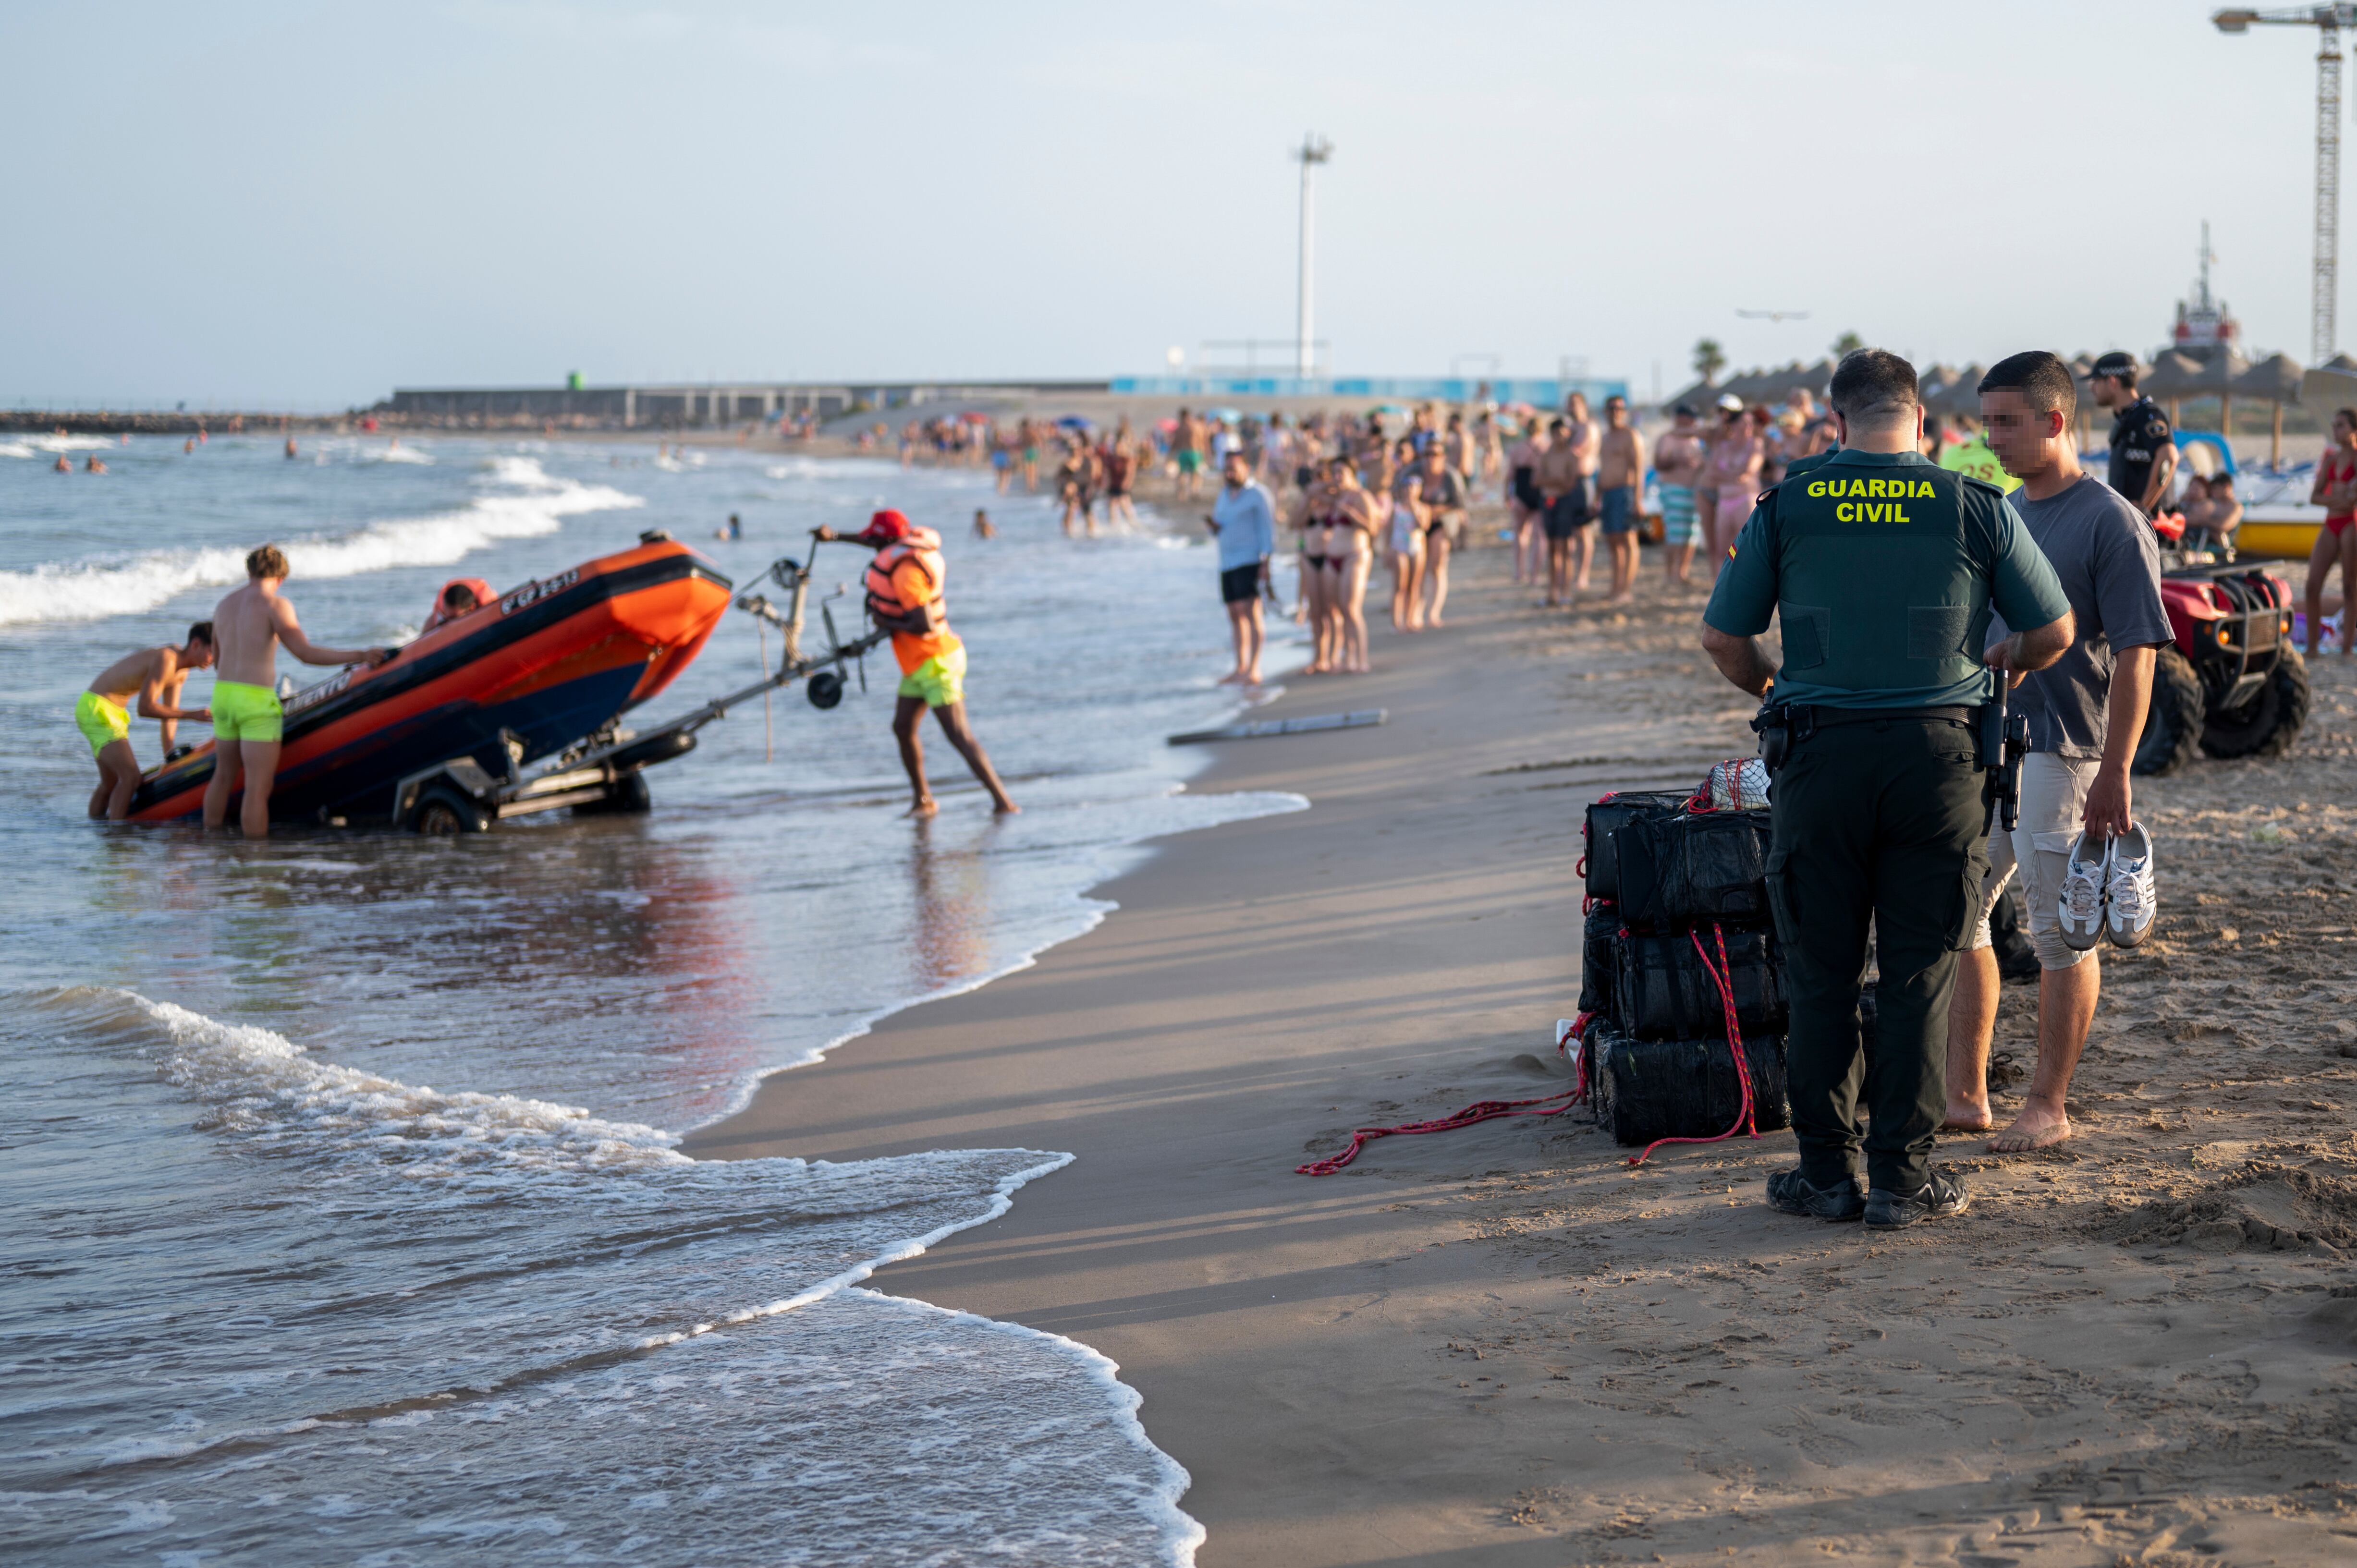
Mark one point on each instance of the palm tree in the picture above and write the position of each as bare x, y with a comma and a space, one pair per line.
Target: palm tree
1847, 343
1709, 359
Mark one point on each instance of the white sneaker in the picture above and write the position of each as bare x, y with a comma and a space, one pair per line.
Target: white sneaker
2129, 903
2082, 902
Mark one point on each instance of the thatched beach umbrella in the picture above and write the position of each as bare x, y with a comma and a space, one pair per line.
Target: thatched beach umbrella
2178, 376
2273, 381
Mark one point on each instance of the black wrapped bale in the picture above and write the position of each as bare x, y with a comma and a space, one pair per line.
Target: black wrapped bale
1688, 1088
1662, 990
1698, 868
1599, 959
1607, 816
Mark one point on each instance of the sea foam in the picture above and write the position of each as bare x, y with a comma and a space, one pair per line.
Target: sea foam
517, 501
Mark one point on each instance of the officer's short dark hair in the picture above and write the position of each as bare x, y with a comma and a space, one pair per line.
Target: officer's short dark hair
1872, 384
2042, 378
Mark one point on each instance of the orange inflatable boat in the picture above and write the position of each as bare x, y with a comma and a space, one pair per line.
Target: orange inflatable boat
521, 676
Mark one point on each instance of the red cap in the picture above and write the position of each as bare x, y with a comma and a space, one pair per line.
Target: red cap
885, 527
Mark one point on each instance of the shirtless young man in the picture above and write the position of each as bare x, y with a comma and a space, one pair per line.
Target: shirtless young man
154, 676
249, 627
1620, 474
1677, 467
1563, 506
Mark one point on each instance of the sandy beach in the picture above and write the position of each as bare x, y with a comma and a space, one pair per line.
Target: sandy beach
1502, 1345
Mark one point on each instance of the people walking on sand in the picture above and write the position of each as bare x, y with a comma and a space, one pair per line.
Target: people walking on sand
152, 677
2086, 712
1620, 473
2336, 543
1403, 536
249, 627
1526, 504
1563, 492
1440, 498
1350, 557
1243, 521
904, 597
1585, 439
1732, 469
1677, 467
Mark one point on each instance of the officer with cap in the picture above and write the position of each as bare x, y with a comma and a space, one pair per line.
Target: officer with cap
2144, 448
1881, 569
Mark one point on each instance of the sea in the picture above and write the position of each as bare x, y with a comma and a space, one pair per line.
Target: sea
341, 1215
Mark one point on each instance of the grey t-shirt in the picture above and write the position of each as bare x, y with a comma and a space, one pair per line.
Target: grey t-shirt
2109, 563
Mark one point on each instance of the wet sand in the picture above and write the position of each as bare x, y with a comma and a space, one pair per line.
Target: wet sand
1500, 1345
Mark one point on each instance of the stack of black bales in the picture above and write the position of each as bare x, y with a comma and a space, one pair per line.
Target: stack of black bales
1670, 889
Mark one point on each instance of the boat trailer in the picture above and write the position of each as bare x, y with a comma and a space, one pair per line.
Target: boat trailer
606, 771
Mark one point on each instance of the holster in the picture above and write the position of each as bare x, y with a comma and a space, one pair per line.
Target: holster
1780, 726
2004, 741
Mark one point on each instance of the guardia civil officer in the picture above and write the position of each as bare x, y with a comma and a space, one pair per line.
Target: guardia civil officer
2144, 447
1881, 569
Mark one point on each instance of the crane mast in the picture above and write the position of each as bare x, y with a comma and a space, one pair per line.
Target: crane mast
2325, 274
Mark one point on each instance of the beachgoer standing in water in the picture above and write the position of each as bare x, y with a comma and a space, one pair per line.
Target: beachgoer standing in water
154, 676
249, 626
904, 597
1243, 521
1621, 470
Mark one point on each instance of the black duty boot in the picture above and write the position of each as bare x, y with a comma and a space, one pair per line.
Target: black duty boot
1937, 1198
1790, 1192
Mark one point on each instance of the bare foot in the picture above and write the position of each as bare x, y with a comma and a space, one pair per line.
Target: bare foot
1006, 809
1435, 621
1968, 1116
1621, 599
924, 808
1232, 678
2037, 1127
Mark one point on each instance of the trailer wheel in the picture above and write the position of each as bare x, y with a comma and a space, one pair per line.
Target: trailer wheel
823, 689
2172, 725
443, 810
2270, 720
630, 795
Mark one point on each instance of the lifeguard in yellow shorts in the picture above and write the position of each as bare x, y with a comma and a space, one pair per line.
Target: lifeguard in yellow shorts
153, 676
904, 597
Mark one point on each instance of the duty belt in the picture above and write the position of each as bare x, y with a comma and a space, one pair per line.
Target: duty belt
1809, 720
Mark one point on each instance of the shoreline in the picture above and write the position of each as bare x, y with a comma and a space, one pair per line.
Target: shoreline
1502, 1345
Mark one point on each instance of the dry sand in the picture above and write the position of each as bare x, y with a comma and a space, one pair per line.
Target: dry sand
1502, 1345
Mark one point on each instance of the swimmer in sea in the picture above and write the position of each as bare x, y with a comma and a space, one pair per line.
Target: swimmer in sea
248, 721
983, 527
63, 465
93, 466
154, 676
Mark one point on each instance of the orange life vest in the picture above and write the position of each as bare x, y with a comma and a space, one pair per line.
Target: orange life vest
923, 547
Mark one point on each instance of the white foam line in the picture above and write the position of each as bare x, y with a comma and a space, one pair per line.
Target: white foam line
1181, 1532
93, 590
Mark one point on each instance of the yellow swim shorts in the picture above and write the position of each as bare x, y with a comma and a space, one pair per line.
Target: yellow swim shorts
100, 720
247, 712
940, 679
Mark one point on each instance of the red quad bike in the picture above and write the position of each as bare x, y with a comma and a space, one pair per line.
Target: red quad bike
2232, 684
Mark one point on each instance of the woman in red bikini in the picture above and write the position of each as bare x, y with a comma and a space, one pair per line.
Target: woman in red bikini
2336, 492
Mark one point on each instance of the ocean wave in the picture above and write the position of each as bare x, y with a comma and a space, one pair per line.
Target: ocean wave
38, 445
527, 503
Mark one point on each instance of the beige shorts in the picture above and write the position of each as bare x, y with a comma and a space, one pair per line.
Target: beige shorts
2053, 798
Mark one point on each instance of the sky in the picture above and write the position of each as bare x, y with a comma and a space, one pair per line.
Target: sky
306, 206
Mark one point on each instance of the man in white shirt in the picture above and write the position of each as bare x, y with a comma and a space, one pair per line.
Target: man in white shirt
1243, 521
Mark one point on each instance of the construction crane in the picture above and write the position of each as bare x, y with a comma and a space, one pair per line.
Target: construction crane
2325, 284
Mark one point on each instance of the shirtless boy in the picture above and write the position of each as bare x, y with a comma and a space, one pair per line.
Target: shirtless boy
155, 674
250, 624
1677, 467
1619, 473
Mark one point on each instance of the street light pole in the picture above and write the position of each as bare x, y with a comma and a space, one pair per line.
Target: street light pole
1314, 150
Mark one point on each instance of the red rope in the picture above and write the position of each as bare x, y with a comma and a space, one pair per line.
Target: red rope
1479, 1112
1722, 976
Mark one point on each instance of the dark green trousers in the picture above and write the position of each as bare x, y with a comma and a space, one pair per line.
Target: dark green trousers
1882, 820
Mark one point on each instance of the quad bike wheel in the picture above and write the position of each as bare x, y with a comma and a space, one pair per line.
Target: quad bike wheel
2268, 724
2174, 720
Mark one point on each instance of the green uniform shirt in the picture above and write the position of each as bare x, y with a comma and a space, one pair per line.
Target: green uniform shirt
2006, 565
